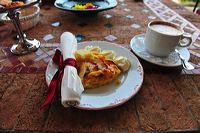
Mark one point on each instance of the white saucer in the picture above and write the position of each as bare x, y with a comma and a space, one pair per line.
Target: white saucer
138, 47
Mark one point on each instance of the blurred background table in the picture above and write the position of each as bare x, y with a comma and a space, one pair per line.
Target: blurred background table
169, 99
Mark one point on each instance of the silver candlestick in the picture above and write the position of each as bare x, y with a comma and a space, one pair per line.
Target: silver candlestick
24, 44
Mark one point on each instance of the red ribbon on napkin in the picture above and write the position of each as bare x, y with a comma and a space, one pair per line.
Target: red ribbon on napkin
55, 84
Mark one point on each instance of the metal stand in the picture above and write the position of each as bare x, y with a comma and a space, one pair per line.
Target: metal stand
23, 45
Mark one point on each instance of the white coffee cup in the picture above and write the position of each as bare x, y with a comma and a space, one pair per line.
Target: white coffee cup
163, 37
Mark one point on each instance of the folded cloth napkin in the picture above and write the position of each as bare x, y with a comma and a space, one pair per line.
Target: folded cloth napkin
71, 86
65, 81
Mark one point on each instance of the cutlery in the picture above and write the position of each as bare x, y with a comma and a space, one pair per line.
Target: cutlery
186, 65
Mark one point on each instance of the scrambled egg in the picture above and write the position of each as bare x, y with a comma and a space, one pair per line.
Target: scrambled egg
97, 67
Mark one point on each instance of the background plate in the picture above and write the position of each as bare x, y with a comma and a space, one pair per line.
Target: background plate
68, 4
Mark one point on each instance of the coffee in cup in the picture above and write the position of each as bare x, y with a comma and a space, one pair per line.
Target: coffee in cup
163, 37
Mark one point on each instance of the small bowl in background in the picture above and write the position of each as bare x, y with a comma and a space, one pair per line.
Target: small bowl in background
29, 17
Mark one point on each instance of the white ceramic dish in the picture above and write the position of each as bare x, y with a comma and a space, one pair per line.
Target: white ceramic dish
29, 17
138, 47
110, 95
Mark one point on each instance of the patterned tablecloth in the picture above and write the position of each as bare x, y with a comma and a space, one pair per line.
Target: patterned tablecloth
168, 100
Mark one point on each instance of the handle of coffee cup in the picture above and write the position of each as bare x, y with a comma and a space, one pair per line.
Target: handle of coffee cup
185, 41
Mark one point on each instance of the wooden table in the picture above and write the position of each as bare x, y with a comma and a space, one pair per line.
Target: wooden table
169, 99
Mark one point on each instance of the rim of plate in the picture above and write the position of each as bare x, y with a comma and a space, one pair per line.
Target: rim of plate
123, 101
131, 43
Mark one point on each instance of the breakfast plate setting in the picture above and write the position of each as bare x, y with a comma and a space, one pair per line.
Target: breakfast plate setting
97, 75
112, 94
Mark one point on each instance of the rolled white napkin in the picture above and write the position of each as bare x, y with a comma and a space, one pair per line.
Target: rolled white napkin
71, 86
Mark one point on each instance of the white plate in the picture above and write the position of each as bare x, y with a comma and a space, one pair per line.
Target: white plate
138, 47
110, 95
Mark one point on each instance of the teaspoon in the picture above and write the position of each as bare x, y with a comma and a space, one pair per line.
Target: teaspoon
186, 65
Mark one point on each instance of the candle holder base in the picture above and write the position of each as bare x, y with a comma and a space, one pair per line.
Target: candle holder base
20, 48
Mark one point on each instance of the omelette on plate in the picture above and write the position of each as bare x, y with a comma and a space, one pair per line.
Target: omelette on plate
95, 68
